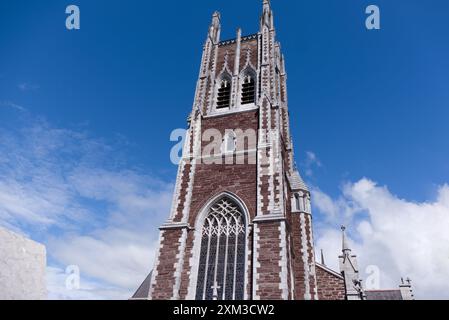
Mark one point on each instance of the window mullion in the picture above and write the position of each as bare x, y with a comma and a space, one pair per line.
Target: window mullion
235, 260
207, 262
217, 254
225, 261
226, 222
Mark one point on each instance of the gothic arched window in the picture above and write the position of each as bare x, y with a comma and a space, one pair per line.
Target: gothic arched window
302, 202
229, 142
248, 90
224, 94
221, 273
298, 202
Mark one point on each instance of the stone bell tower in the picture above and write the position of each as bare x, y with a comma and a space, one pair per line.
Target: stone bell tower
240, 226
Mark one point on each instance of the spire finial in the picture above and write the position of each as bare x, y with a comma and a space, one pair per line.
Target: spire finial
215, 27
216, 19
406, 282
322, 258
345, 247
267, 16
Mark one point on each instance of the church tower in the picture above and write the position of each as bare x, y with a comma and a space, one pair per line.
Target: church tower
240, 226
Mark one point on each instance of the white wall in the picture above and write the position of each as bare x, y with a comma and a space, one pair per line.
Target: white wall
22, 268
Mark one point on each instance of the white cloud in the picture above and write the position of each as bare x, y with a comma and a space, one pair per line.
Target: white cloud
88, 290
313, 159
403, 238
115, 256
81, 198
122, 252
25, 86
311, 162
334, 210
9, 104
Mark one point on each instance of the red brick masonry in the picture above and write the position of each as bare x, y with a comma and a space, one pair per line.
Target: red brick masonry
331, 285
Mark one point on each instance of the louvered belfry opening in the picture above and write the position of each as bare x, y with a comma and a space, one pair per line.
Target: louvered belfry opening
224, 95
221, 273
248, 90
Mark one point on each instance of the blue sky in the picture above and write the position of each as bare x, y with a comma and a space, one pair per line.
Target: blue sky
93, 110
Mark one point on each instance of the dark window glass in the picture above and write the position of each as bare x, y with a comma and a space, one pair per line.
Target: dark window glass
221, 271
248, 90
202, 267
224, 95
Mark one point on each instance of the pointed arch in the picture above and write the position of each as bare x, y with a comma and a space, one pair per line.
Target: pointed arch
223, 91
220, 249
229, 143
248, 81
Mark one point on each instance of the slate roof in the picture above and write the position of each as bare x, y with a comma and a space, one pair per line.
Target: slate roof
296, 182
383, 295
144, 290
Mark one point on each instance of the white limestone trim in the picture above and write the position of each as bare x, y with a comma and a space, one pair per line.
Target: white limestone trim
294, 205
237, 52
179, 264
213, 73
207, 48
247, 260
176, 196
225, 74
272, 169
185, 158
305, 257
196, 251
156, 265
248, 63
265, 141
202, 77
259, 183
256, 263
279, 166
261, 146
222, 112
283, 261
176, 225
292, 277
235, 82
247, 70
265, 48
193, 264
312, 258
225, 69
266, 81
196, 150
407, 292
269, 218
302, 203
263, 73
